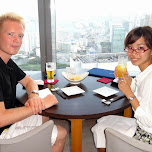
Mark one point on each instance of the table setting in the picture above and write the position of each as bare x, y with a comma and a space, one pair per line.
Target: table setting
74, 79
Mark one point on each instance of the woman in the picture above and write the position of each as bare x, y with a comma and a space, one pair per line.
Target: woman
138, 45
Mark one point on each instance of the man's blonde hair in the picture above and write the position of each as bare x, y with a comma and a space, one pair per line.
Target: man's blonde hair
13, 17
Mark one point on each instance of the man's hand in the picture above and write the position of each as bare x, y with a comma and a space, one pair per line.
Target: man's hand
37, 104
50, 100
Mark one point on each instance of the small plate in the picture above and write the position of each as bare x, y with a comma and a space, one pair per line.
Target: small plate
73, 90
105, 91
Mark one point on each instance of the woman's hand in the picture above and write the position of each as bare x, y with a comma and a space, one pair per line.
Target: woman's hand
116, 72
127, 76
124, 84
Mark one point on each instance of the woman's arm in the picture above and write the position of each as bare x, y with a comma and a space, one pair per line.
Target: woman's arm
125, 86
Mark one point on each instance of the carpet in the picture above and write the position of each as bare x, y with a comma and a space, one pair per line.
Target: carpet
87, 136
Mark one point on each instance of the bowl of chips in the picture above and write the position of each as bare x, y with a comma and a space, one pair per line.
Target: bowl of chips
75, 78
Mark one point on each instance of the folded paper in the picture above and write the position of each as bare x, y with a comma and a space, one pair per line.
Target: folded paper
105, 80
101, 73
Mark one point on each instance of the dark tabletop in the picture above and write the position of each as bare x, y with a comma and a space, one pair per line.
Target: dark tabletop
82, 106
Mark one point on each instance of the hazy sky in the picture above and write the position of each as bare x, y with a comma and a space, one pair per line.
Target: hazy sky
22, 7
74, 8
94, 7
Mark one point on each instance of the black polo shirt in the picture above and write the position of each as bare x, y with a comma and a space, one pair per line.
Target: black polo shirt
10, 74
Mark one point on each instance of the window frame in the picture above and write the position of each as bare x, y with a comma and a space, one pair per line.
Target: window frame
47, 30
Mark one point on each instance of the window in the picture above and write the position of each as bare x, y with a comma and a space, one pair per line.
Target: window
91, 33
28, 57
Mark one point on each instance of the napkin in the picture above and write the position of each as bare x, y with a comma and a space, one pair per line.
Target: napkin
105, 80
101, 73
55, 81
44, 92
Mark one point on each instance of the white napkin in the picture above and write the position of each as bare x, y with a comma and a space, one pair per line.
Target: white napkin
43, 93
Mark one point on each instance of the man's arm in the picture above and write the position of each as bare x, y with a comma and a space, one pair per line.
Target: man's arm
29, 84
34, 101
10, 116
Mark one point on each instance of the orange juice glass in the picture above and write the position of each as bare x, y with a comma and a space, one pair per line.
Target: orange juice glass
123, 68
122, 65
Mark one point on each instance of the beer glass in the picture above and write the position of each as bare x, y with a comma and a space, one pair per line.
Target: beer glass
122, 65
50, 68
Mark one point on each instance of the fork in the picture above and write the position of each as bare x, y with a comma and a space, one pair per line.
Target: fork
55, 89
59, 92
108, 102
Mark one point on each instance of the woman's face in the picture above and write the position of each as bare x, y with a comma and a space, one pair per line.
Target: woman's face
142, 60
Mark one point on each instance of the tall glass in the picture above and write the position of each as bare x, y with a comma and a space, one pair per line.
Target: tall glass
50, 68
122, 65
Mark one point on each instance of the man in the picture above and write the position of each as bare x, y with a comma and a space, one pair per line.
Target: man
11, 34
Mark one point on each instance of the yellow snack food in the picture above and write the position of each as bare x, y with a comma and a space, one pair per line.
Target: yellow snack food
75, 78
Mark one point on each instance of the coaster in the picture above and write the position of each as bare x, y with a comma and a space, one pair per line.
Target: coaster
55, 81
105, 80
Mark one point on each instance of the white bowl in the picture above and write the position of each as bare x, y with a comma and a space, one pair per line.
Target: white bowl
75, 78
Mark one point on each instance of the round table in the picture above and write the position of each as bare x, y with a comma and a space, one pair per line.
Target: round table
83, 106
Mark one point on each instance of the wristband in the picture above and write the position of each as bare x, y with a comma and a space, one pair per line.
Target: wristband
34, 91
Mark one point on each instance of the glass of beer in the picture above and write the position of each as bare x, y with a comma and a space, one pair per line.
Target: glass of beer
50, 68
122, 65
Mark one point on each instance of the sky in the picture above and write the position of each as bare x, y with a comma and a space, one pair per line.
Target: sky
22, 7
94, 7
77, 8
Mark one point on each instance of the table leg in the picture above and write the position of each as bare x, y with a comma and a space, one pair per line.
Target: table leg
128, 112
76, 135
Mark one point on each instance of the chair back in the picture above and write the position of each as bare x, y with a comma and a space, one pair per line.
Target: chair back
117, 142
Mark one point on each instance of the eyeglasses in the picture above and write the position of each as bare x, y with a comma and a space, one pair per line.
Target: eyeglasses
129, 49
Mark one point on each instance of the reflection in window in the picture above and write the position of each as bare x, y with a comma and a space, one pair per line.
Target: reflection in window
28, 57
91, 33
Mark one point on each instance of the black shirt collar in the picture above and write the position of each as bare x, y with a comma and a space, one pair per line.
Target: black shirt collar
5, 66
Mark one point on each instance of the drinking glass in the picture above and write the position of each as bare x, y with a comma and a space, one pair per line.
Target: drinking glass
122, 65
50, 68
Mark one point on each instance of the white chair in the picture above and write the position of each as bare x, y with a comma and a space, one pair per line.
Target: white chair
36, 140
117, 142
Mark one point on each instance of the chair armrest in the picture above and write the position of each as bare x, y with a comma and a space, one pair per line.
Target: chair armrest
116, 141
36, 140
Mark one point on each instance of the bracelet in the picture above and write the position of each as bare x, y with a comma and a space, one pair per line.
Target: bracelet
131, 98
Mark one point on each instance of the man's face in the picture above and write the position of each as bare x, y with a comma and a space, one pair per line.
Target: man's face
11, 35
